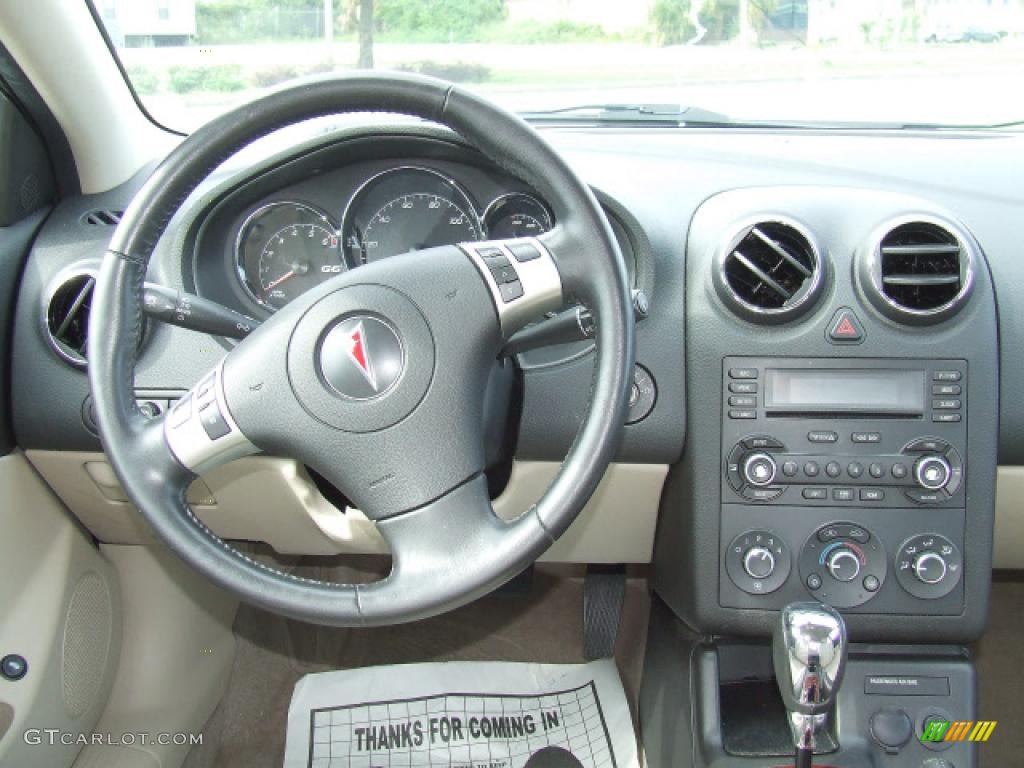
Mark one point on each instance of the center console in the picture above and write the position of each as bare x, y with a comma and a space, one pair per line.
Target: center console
840, 451
844, 480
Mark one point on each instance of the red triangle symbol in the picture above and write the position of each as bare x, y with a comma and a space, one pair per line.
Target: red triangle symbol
844, 327
358, 353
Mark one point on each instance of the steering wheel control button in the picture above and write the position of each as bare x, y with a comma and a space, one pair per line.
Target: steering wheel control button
181, 412
213, 421
524, 252
758, 562
891, 729
13, 667
843, 565
845, 328
643, 394
511, 291
362, 357
928, 566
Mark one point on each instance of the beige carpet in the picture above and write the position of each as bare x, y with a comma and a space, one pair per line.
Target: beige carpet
999, 656
248, 728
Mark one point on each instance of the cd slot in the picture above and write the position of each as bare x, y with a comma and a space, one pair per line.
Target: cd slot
846, 415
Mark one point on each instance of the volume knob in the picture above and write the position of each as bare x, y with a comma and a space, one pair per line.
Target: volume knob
932, 472
759, 469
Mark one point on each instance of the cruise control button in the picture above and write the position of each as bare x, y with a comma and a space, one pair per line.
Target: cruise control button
822, 436
491, 253
524, 251
743, 373
511, 291
506, 274
213, 422
743, 387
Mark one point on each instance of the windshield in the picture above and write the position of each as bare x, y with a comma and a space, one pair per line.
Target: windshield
943, 62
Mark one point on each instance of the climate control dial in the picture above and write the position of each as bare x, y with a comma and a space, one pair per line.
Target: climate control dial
758, 562
928, 566
844, 564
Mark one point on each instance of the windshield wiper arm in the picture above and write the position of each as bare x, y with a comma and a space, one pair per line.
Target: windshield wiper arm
631, 114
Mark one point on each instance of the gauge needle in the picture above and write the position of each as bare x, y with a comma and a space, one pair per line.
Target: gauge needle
281, 279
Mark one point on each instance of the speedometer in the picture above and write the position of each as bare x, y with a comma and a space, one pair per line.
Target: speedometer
407, 209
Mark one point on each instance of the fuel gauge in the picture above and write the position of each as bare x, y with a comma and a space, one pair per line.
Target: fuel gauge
516, 215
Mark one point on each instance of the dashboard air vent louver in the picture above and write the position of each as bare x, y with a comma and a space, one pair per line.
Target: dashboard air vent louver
770, 271
67, 317
921, 270
102, 217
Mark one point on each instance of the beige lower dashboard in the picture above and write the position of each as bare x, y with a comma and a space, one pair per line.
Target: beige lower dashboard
275, 501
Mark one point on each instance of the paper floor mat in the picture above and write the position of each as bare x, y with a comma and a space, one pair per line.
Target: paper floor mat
462, 715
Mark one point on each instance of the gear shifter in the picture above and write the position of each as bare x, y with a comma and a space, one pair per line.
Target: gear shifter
809, 655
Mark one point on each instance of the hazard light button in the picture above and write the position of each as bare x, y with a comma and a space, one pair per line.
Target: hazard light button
845, 328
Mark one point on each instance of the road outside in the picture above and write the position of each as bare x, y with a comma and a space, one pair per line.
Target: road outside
964, 83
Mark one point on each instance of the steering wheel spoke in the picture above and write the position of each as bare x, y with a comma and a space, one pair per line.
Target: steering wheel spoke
200, 430
522, 277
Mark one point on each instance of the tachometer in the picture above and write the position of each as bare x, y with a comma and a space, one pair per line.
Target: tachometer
407, 209
516, 215
284, 249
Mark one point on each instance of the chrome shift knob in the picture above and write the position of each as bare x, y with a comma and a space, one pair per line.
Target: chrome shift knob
809, 656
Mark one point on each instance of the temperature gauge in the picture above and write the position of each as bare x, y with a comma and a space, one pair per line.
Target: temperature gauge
516, 215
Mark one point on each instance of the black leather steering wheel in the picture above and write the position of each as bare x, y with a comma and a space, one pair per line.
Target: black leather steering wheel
375, 378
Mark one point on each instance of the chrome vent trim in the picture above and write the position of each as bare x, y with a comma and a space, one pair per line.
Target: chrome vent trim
919, 269
770, 270
66, 315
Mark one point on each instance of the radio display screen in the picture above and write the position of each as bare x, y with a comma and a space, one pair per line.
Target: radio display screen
839, 390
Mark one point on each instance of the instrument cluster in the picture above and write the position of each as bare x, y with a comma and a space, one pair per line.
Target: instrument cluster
286, 247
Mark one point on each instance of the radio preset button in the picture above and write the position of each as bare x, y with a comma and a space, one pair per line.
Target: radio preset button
743, 401
945, 417
855, 469
743, 373
822, 436
743, 414
790, 468
946, 375
832, 469
866, 437
750, 387
815, 493
899, 471
811, 469
946, 389
842, 494
876, 470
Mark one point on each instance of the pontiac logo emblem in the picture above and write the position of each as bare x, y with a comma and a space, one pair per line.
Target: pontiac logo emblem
362, 357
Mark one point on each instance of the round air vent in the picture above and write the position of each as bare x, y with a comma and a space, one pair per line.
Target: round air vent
918, 269
770, 271
66, 315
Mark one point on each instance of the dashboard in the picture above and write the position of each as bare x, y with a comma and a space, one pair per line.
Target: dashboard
791, 399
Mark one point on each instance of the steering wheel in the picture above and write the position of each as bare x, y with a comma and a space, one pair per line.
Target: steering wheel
376, 377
